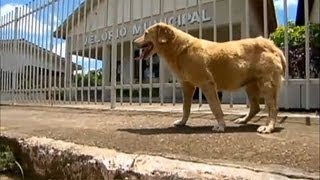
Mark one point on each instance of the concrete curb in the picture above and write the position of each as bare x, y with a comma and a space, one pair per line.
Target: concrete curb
54, 159
166, 109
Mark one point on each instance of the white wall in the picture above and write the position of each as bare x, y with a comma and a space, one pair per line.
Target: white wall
315, 12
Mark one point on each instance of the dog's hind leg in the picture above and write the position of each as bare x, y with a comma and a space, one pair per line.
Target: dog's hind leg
253, 92
188, 91
210, 91
270, 92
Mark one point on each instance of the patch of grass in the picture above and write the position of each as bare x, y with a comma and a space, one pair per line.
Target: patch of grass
7, 160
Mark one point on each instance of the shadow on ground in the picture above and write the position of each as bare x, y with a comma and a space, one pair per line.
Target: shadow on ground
195, 130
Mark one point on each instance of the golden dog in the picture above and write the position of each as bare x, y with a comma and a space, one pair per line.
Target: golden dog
254, 63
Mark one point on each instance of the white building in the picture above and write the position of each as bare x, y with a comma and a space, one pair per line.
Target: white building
31, 65
89, 33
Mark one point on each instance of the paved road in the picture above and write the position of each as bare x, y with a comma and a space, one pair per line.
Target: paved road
294, 144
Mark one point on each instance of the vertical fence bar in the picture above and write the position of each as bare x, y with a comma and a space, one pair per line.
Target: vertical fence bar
174, 79
161, 62
140, 78
60, 54
20, 59
56, 54
5, 52
121, 56
38, 46
51, 61
200, 36
140, 60
83, 49
77, 52
96, 66
114, 54
28, 52
33, 49
7, 29
11, 54
286, 49
151, 61
16, 59
104, 59
247, 32
307, 51
186, 16
265, 19
47, 54
230, 39
131, 54
214, 20
1, 54
68, 58
60, 90
15, 55
71, 53
24, 64
89, 63
43, 54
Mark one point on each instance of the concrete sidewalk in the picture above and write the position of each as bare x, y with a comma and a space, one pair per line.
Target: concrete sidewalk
295, 144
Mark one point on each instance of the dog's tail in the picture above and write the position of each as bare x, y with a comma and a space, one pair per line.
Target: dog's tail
283, 61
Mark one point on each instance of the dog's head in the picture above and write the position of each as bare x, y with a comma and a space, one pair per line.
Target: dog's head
154, 38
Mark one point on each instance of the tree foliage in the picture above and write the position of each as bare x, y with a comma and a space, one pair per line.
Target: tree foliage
93, 76
297, 51
297, 35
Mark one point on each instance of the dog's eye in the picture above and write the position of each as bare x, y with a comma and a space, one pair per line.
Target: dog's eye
146, 33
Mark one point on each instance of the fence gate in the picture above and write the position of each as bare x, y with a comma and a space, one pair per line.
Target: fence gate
81, 51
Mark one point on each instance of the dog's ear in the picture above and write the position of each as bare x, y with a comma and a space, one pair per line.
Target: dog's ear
165, 34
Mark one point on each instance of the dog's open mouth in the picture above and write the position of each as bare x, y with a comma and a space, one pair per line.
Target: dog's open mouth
146, 50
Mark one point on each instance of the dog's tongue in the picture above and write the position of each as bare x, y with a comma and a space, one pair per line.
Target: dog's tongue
144, 54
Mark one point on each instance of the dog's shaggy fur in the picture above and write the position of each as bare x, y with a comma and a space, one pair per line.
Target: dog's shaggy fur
255, 64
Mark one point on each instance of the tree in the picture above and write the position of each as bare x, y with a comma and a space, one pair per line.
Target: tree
93, 77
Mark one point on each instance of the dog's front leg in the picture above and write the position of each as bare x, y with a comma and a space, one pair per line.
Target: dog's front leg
210, 91
188, 91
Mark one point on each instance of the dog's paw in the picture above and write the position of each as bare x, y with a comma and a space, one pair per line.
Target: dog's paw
218, 128
265, 129
179, 123
241, 121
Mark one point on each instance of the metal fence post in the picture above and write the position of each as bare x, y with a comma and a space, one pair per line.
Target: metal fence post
307, 52
15, 50
114, 55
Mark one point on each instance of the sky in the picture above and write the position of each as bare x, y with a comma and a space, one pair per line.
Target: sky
43, 32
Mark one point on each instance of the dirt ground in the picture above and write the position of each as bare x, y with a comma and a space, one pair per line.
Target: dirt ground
295, 143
